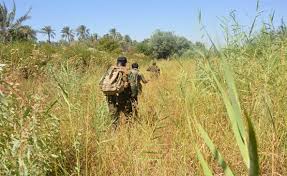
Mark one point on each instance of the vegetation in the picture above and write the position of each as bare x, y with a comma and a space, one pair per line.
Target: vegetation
211, 112
82, 32
67, 34
49, 31
10, 27
163, 45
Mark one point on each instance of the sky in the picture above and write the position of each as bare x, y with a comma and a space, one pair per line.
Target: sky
140, 18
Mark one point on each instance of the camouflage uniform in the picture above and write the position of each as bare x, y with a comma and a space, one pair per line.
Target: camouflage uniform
154, 69
136, 87
121, 102
118, 104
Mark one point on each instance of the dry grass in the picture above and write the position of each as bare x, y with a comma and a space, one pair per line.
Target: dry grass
159, 142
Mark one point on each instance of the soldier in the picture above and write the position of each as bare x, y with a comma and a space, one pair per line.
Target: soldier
119, 102
154, 69
135, 79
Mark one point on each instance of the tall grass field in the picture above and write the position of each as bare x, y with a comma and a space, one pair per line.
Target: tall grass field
221, 111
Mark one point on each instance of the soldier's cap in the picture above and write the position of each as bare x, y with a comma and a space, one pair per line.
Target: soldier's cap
154, 63
122, 59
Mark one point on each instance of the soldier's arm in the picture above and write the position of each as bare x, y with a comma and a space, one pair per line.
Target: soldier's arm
143, 79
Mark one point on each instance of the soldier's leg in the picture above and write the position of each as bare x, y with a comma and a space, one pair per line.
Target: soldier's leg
128, 111
124, 104
113, 109
135, 106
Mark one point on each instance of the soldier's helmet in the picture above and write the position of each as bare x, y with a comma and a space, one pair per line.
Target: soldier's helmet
153, 63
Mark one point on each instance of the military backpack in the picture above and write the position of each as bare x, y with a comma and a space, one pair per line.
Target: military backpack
112, 82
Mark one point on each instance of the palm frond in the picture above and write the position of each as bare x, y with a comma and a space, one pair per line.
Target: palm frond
11, 15
23, 18
3, 15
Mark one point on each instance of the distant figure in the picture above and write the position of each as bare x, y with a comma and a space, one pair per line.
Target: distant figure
154, 69
114, 84
135, 78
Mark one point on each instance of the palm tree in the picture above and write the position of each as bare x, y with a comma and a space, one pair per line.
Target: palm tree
49, 31
67, 33
24, 33
82, 32
9, 23
94, 37
127, 39
115, 35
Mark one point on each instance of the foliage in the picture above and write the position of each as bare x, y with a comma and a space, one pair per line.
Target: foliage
24, 33
67, 34
82, 32
196, 51
162, 45
115, 35
77, 129
12, 28
108, 44
225, 108
144, 47
49, 31
29, 132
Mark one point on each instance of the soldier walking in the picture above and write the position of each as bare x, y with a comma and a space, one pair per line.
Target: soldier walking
154, 69
115, 86
135, 79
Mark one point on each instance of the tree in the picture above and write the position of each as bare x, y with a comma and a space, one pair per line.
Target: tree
113, 33
82, 32
106, 43
144, 47
8, 22
162, 44
127, 39
199, 45
49, 31
24, 33
196, 51
67, 34
182, 45
126, 43
94, 37
166, 44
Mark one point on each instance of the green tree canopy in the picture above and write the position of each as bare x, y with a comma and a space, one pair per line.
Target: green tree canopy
167, 44
24, 33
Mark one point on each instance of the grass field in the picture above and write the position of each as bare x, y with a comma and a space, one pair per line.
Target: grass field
56, 123
213, 110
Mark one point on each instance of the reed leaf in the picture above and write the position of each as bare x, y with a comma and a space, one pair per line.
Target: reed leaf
215, 152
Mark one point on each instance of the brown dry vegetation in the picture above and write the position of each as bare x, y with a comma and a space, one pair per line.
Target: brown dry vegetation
159, 142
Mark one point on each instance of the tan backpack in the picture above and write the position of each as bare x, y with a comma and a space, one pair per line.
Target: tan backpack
112, 82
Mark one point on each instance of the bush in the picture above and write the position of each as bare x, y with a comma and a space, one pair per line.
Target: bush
144, 47
108, 44
162, 45
29, 133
